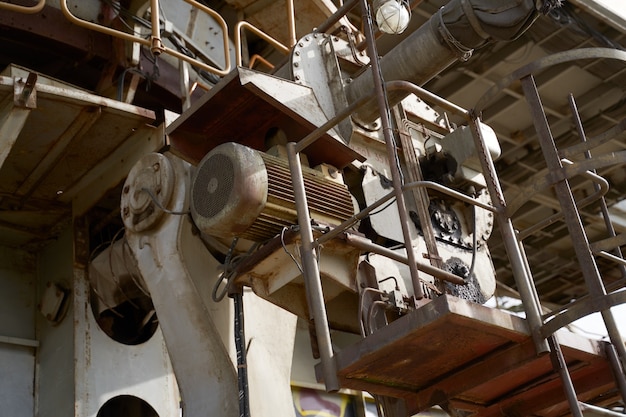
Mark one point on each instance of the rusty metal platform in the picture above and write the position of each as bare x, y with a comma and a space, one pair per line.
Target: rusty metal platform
474, 358
244, 107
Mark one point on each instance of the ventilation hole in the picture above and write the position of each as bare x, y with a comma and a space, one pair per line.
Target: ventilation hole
131, 322
127, 406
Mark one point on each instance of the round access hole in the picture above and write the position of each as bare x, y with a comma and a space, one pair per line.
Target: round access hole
119, 300
127, 406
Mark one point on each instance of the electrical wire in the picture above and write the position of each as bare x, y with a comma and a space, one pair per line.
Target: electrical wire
282, 241
160, 206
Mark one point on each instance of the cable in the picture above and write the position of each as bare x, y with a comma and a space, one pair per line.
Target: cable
160, 206
224, 276
282, 242
240, 346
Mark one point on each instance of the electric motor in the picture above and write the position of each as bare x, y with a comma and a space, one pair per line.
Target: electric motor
240, 192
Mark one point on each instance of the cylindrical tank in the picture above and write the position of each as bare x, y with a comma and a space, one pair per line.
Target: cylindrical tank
240, 192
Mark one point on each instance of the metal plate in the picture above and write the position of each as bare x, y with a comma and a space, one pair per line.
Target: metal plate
243, 108
477, 358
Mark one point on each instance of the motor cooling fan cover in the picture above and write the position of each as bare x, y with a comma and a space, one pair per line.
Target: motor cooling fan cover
229, 190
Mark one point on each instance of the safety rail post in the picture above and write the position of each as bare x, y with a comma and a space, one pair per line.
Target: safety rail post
310, 270
516, 257
396, 179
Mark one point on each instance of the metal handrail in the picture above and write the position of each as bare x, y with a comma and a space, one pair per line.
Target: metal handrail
246, 25
154, 42
24, 9
603, 188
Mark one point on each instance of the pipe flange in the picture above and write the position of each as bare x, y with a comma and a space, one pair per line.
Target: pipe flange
147, 190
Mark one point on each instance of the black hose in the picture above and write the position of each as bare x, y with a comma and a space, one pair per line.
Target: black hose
240, 345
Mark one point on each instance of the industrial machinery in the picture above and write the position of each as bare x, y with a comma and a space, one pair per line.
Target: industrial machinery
313, 180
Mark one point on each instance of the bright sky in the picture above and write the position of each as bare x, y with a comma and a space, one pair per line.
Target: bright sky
592, 325
613, 6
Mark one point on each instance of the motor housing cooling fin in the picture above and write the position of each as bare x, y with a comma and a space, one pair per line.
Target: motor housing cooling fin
240, 192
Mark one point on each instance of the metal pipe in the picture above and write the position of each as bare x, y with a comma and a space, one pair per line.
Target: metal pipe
335, 17
570, 169
389, 86
603, 188
618, 370
24, 9
367, 245
559, 364
366, 211
291, 23
383, 113
509, 239
598, 411
621, 262
548, 61
573, 221
156, 45
582, 307
449, 35
148, 43
245, 25
312, 279
617, 252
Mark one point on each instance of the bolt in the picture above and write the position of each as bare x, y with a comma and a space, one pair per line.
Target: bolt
296, 64
297, 53
306, 38
126, 189
335, 39
296, 77
156, 167
300, 44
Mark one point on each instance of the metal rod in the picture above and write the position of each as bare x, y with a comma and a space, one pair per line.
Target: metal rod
237, 40
366, 211
335, 17
601, 190
617, 259
389, 86
312, 279
570, 169
573, 221
617, 252
618, 370
291, 22
368, 246
520, 274
559, 364
147, 42
599, 410
156, 46
383, 108
19, 341
583, 306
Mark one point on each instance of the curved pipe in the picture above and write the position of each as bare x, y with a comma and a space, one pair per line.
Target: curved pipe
154, 42
245, 25
24, 9
450, 35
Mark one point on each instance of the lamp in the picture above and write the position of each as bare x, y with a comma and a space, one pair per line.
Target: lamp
392, 16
